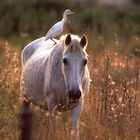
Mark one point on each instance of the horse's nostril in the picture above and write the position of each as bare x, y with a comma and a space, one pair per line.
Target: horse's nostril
74, 94
79, 94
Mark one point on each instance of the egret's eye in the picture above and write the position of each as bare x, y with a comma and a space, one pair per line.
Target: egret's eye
65, 61
85, 62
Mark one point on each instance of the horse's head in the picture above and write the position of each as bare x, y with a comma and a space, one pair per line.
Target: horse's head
74, 65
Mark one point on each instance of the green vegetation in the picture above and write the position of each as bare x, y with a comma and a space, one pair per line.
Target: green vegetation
35, 17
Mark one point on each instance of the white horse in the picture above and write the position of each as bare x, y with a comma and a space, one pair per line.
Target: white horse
56, 77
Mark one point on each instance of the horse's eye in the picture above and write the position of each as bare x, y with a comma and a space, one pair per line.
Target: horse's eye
85, 62
65, 61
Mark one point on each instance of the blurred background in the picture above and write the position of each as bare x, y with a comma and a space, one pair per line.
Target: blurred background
112, 109
24, 19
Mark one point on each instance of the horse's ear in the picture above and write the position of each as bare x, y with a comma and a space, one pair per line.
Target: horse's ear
83, 41
68, 39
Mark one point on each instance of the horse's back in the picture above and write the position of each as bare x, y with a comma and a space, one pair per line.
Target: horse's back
34, 46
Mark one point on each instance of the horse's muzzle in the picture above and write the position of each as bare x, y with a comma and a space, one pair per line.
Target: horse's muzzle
74, 95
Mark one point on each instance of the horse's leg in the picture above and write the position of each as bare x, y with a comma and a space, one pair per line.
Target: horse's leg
50, 131
25, 121
51, 125
76, 112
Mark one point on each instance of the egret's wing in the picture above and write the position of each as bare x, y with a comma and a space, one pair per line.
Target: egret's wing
55, 30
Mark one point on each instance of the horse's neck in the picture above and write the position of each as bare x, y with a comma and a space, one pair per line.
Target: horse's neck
56, 62
54, 75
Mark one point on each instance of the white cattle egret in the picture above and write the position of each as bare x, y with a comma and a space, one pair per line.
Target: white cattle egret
58, 28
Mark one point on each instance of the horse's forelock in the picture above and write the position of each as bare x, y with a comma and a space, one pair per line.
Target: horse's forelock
74, 46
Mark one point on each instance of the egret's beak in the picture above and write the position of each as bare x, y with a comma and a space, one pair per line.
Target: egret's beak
72, 12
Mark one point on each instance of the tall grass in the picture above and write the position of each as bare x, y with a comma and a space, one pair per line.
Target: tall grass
9, 93
111, 110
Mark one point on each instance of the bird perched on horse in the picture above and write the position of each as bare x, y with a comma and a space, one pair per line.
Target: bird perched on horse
58, 28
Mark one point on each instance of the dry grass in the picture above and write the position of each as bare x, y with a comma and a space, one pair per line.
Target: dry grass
111, 111
9, 92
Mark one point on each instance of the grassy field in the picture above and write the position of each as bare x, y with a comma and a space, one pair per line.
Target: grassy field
112, 109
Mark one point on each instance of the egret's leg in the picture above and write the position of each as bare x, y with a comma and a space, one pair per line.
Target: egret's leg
53, 41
